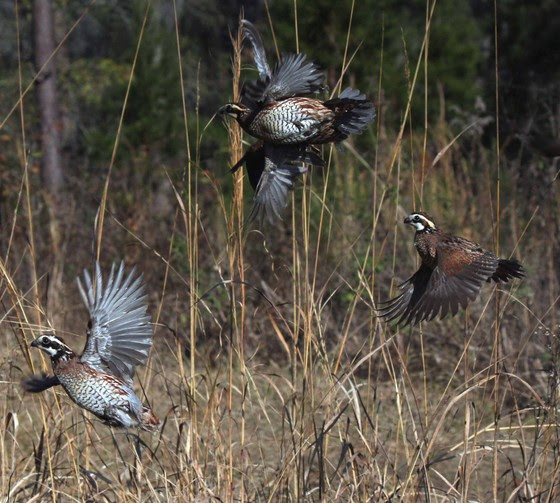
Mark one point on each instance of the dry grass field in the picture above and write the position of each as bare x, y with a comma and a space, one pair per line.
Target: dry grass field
272, 375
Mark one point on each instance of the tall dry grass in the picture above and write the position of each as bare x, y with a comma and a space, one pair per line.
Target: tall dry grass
273, 378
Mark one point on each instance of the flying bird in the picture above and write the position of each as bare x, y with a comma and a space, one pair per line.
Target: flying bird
451, 274
278, 109
304, 120
119, 337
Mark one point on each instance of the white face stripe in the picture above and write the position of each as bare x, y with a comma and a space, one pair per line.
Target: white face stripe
50, 351
424, 222
418, 226
237, 109
46, 345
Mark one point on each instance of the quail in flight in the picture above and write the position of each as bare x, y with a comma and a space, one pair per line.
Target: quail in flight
119, 337
451, 274
278, 109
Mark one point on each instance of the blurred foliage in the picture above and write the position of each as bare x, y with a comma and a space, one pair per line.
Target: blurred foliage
455, 50
153, 117
94, 65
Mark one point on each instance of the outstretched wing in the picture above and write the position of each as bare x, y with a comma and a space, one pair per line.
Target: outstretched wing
293, 75
281, 165
272, 170
119, 329
454, 282
251, 33
254, 162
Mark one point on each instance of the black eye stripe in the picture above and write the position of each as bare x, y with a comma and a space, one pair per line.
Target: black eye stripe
50, 343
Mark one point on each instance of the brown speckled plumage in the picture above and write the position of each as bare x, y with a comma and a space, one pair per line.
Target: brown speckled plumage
278, 109
119, 338
451, 274
304, 120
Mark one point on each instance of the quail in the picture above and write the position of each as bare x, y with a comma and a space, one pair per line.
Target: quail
278, 110
305, 120
451, 274
119, 337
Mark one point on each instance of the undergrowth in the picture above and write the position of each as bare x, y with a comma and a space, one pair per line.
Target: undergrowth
272, 375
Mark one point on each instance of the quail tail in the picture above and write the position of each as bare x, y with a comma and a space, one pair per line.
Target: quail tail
508, 269
354, 112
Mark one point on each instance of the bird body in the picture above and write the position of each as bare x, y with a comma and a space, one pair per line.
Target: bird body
287, 122
451, 274
119, 338
301, 119
103, 394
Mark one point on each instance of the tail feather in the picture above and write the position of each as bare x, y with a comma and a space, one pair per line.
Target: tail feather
508, 269
353, 111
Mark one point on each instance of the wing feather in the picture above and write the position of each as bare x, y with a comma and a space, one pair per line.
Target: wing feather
453, 283
293, 75
251, 33
120, 334
272, 171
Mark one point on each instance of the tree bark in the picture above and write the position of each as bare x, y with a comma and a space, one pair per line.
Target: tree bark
51, 165
51, 161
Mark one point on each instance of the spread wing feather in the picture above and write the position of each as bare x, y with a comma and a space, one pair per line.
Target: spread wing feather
454, 282
120, 331
293, 75
251, 33
279, 167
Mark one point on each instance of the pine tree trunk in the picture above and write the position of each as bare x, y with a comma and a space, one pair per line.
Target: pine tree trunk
51, 161
51, 165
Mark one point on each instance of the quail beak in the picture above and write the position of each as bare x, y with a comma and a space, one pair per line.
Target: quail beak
232, 109
408, 220
35, 343
228, 110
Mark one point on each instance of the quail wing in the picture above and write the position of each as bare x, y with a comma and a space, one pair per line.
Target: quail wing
272, 170
454, 282
254, 162
293, 75
251, 33
120, 331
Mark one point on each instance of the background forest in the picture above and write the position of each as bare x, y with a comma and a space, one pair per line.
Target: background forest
273, 377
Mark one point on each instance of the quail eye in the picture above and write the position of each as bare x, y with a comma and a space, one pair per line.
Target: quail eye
417, 219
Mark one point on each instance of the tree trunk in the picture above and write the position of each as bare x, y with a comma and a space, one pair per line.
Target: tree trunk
51, 161
51, 166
